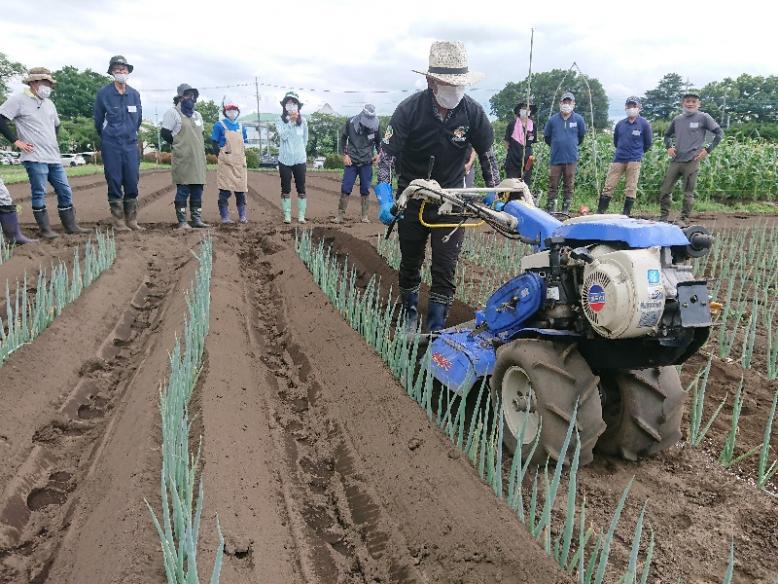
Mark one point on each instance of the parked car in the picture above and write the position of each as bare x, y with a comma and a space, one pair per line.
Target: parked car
268, 161
73, 160
318, 162
89, 157
10, 158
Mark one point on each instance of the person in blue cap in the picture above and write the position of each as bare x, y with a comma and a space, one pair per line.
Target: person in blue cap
632, 137
118, 114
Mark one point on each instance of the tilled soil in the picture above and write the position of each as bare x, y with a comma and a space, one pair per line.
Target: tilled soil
319, 466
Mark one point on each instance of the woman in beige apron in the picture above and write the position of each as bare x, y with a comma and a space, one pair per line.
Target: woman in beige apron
229, 136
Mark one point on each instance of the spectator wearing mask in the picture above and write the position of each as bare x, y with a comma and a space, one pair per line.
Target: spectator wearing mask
292, 131
37, 124
229, 137
182, 126
564, 132
360, 141
118, 114
632, 138
519, 138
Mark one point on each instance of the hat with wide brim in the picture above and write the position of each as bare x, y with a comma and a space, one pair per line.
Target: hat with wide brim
368, 117
291, 95
184, 87
448, 63
39, 74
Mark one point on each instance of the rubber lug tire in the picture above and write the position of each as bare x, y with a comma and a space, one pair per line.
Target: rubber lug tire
645, 417
560, 377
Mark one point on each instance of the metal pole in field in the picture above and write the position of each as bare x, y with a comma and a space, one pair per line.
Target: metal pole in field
159, 132
259, 116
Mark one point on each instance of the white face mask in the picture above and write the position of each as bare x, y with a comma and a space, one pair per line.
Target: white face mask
121, 77
566, 108
523, 114
632, 112
232, 114
43, 91
690, 110
291, 108
449, 96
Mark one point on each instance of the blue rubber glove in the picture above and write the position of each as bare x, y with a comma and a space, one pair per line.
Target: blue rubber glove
383, 192
499, 206
489, 199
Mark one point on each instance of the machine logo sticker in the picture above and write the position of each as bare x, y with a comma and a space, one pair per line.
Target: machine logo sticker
441, 361
596, 297
654, 277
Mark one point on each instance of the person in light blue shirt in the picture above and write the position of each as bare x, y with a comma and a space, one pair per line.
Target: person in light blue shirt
292, 131
564, 132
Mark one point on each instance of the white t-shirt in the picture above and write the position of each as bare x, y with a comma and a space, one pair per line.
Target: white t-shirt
36, 121
171, 120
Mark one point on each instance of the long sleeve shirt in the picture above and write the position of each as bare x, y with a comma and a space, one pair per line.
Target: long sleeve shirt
118, 116
689, 131
564, 136
632, 139
358, 142
294, 139
218, 133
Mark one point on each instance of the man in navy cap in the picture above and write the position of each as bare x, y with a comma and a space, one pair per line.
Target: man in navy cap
118, 115
564, 132
632, 137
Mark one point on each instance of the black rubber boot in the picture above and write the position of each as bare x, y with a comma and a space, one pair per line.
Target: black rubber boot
181, 218
9, 221
602, 206
627, 210
42, 219
68, 218
566, 205
197, 220
131, 214
117, 216
550, 205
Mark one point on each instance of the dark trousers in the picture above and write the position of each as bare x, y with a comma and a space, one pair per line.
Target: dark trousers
287, 172
224, 198
121, 164
687, 171
350, 173
512, 172
413, 244
565, 172
192, 192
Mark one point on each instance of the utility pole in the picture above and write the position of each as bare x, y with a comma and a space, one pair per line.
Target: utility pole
724, 110
159, 132
259, 117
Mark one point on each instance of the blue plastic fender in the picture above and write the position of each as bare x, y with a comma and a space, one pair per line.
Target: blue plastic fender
533, 222
636, 233
458, 358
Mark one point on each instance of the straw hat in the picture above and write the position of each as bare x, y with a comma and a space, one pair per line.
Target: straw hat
448, 63
39, 74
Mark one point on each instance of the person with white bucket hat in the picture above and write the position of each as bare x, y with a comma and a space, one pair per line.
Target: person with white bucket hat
440, 122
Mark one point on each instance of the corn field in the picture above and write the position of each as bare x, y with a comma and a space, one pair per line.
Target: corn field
738, 171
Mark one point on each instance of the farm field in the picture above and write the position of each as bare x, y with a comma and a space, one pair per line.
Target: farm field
319, 466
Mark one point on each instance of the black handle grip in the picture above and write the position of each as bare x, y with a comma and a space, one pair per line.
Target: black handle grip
430, 167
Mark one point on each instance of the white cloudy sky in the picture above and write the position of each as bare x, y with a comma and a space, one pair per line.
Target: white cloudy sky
347, 46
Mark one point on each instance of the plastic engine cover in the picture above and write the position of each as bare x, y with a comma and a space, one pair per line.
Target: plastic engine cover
622, 294
458, 358
514, 303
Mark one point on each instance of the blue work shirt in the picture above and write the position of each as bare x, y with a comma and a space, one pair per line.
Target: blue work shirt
632, 139
118, 116
564, 137
218, 132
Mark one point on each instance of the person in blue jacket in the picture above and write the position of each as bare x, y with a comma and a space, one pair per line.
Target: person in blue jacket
632, 137
118, 115
229, 137
564, 132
